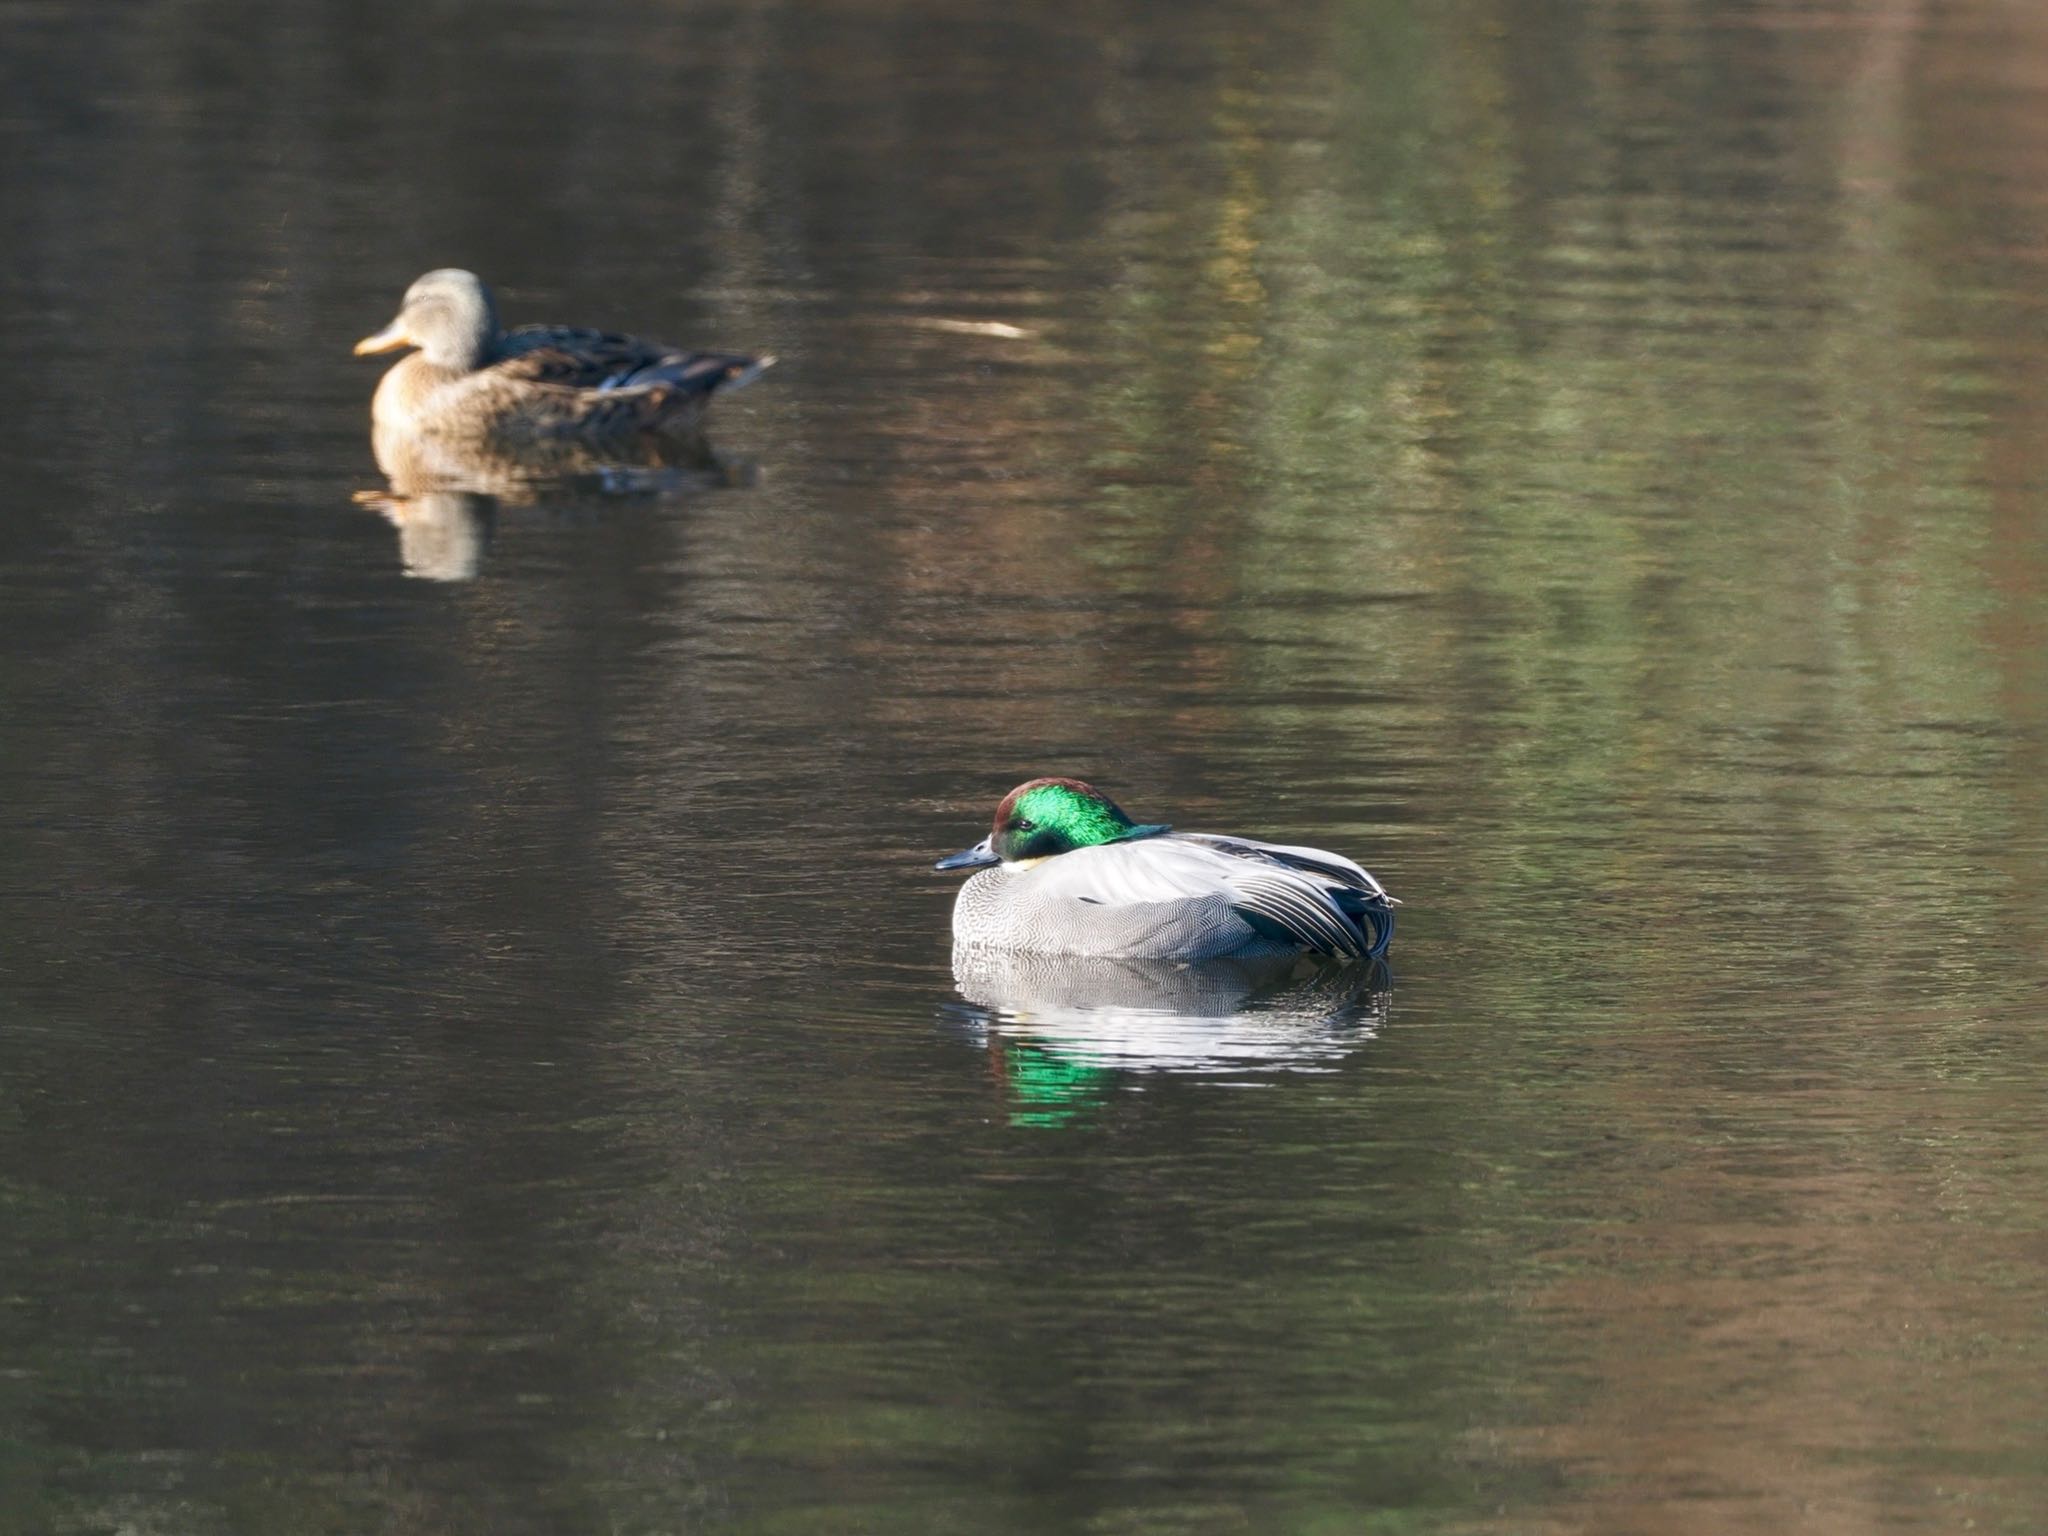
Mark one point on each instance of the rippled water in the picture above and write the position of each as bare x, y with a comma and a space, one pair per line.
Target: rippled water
479, 1049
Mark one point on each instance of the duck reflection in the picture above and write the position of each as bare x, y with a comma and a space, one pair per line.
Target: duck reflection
441, 534
444, 493
1063, 1027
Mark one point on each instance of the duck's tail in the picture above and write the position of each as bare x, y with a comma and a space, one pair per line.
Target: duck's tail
693, 373
669, 397
1373, 913
742, 371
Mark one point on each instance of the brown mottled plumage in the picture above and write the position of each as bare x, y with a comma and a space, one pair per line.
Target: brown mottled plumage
540, 383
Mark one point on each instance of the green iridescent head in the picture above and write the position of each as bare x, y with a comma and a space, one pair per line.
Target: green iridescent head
1049, 816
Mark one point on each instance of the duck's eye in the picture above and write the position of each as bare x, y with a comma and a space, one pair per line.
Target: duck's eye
1022, 824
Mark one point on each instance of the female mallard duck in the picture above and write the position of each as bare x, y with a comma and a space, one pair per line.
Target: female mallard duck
540, 383
1064, 871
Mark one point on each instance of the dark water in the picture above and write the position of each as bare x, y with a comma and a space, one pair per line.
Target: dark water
481, 1055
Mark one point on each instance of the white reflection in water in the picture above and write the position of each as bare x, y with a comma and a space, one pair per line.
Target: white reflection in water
441, 534
1294, 1013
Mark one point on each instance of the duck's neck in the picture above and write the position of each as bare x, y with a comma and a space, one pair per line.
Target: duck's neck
468, 357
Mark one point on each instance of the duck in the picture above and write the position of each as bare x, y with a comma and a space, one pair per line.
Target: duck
538, 384
1065, 871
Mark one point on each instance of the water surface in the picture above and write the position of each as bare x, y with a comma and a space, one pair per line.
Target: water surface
481, 1049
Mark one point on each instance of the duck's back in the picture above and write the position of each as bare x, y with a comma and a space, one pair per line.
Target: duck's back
578, 358
1177, 896
1156, 899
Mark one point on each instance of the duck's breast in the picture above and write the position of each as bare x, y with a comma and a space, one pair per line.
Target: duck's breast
414, 394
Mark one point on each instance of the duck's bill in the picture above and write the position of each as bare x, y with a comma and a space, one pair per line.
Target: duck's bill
980, 856
390, 339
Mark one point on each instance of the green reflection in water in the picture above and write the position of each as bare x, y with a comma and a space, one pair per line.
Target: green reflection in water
1052, 1090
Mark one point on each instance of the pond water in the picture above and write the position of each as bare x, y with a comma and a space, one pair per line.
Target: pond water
479, 1045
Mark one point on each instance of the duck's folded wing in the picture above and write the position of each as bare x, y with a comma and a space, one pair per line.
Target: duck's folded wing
1273, 899
1313, 861
573, 357
1152, 869
1309, 896
584, 359
697, 372
1291, 910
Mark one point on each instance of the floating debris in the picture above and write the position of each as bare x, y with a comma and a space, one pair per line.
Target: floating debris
974, 328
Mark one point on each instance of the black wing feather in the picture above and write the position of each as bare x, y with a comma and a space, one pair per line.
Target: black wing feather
1318, 925
586, 359
1338, 915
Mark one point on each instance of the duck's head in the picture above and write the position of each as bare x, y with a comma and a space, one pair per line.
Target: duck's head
448, 315
1045, 817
